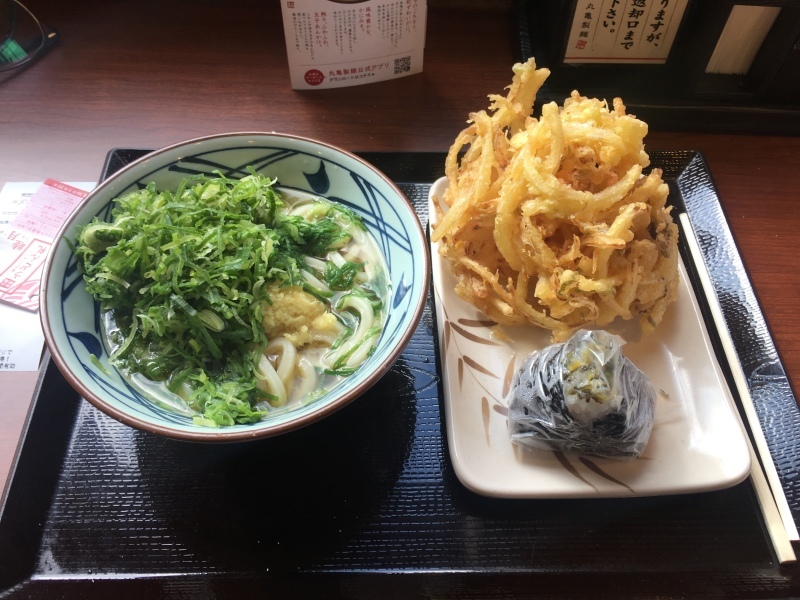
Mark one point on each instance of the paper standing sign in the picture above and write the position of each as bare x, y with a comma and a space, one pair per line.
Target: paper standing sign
342, 43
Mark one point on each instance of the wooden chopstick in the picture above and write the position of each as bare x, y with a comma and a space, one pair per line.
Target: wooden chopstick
769, 509
771, 498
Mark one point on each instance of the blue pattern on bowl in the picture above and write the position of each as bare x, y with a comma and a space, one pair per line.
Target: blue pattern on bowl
298, 164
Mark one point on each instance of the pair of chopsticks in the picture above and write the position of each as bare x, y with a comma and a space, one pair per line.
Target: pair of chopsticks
769, 491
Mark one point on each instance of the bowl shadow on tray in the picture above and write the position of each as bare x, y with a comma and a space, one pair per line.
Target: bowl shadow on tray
284, 503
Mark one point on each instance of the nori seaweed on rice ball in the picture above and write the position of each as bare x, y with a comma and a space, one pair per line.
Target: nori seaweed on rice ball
583, 396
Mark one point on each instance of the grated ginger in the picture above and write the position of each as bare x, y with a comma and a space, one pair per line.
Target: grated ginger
298, 316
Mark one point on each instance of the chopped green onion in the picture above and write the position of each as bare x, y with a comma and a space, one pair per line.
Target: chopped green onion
186, 275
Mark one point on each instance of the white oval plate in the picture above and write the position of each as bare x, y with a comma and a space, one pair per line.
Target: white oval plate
698, 442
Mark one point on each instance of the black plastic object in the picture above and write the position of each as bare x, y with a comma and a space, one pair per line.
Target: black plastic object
365, 504
23, 38
678, 95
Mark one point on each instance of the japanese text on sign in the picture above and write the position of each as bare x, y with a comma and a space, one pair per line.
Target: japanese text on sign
334, 44
623, 31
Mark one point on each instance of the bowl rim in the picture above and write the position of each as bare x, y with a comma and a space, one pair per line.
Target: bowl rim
223, 435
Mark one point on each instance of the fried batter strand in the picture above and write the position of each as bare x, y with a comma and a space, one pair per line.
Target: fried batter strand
551, 221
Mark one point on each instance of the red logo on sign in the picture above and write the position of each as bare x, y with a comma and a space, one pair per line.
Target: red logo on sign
314, 77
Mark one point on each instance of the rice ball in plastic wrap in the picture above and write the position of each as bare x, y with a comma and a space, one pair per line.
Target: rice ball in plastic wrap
583, 396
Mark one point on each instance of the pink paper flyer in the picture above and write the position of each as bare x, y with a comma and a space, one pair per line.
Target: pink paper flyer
25, 242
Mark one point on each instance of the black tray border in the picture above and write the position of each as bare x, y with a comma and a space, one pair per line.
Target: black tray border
40, 454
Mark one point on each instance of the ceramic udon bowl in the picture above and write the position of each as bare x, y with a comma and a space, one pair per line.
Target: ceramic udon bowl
70, 317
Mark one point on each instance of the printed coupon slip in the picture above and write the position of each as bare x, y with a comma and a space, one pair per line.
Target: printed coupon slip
31, 213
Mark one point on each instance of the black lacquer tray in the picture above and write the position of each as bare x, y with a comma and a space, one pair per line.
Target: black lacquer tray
365, 504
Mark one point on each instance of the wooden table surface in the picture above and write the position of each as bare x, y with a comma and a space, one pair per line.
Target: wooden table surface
148, 73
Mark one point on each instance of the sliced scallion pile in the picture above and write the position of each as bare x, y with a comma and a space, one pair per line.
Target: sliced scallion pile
185, 274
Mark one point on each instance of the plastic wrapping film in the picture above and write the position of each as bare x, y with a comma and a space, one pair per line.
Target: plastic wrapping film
583, 396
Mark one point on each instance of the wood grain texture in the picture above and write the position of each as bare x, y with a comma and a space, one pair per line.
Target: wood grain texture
148, 73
